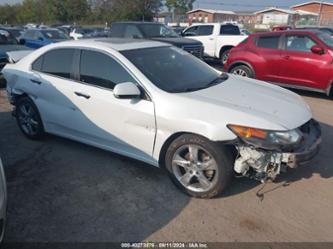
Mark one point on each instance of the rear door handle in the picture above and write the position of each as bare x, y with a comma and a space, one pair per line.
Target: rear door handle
36, 81
82, 95
286, 57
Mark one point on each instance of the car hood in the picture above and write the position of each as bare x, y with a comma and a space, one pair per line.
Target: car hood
14, 47
178, 41
14, 52
256, 99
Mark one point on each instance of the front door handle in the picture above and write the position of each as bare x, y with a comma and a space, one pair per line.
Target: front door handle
38, 82
286, 57
82, 95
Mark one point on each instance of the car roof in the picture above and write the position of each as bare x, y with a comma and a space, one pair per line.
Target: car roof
288, 32
119, 44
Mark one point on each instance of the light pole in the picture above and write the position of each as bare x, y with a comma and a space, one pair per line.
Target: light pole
320, 12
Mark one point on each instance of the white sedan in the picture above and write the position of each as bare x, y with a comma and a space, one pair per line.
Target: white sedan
159, 104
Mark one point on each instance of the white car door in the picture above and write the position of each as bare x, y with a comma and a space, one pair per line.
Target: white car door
204, 34
52, 85
126, 126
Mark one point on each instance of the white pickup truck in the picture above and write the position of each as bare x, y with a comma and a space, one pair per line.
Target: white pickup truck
218, 39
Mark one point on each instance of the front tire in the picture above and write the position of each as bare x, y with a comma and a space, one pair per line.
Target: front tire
224, 56
243, 71
28, 118
199, 167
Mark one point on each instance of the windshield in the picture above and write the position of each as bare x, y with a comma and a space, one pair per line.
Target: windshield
326, 38
151, 30
6, 38
55, 35
174, 70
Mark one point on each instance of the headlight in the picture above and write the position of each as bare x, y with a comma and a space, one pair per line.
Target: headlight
266, 139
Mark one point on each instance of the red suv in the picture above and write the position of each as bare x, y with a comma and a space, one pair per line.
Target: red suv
295, 59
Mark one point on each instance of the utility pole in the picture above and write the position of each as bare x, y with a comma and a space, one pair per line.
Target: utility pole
320, 12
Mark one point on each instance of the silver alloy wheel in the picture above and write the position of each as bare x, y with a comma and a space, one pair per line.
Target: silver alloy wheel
240, 72
28, 119
195, 168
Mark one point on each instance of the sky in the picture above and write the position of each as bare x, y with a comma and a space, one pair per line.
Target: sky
240, 5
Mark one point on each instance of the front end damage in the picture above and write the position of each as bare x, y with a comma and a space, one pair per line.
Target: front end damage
263, 164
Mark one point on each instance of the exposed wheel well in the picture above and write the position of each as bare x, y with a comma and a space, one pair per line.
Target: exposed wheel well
225, 48
16, 97
168, 142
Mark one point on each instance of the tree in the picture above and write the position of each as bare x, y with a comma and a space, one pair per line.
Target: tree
179, 7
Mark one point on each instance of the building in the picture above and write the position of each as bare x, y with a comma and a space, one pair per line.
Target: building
277, 16
323, 10
208, 16
245, 17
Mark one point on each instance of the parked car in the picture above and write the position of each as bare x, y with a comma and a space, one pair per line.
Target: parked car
79, 33
10, 51
327, 30
162, 106
14, 31
217, 39
281, 27
3, 201
295, 59
36, 38
155, 32
245, 32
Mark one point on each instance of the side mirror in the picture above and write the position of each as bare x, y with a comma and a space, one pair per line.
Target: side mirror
317, 50
22, 41
127, 90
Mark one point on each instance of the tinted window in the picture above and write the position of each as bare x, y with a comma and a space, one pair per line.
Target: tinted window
117, 30
101, 70
173, 70
37, 65
299, 43
54, 35
192, 31
206, 30
29, 34
7, 38
271, 42
229, 30
58, 62
157, 30
132, 31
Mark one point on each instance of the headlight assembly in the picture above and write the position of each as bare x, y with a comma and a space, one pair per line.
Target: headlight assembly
266, 139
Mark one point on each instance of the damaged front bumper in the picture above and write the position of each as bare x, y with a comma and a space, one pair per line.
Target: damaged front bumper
265, 164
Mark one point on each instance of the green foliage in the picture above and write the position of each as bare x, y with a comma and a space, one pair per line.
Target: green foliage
179, 7
78, 11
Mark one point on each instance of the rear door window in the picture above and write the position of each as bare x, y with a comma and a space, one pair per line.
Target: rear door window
270, 42
229, 30
132, 31
58, 62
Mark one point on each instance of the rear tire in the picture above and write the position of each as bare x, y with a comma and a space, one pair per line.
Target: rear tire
199, 167
242, 70
28, 119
